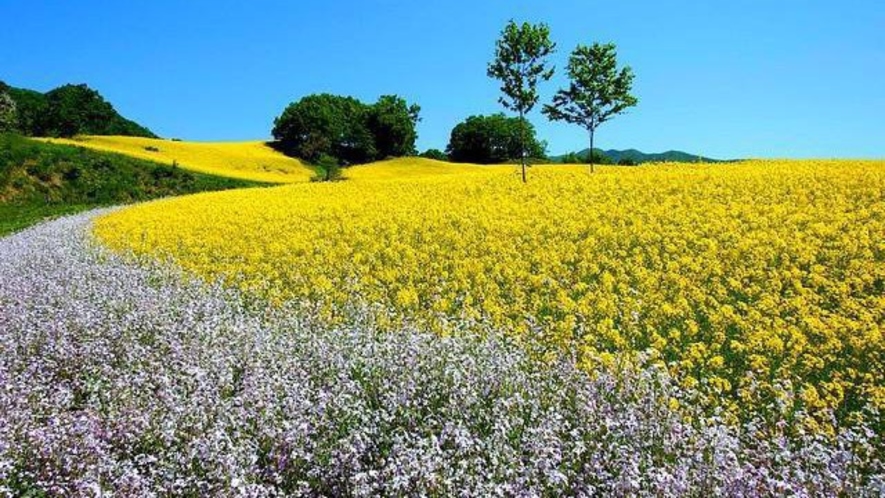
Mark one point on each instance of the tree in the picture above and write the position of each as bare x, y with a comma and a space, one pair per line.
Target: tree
520, 61
585, 157
69, 110
597, 92
493, 139
78, 109
8, 114
326, 124
30, 109
347, 129
392, 122
434, 154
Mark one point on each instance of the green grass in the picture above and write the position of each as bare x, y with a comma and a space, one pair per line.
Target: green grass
15, 217
40, 180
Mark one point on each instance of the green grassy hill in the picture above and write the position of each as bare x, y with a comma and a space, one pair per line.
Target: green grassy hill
40, 180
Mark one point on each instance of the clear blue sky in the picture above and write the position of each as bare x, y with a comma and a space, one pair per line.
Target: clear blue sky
751, 78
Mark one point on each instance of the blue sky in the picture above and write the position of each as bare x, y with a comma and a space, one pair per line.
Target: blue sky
752, 78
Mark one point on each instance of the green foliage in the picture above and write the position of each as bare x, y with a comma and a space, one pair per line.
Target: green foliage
329, 169
493, 139
520, 62
633, 156
69, 110
39, 179
325, 124
78, 109
8, 113
597, 90
347, 129
30, 109
434, 154
583, 157
392, 122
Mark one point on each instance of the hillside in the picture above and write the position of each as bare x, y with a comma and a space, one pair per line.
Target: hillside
39, 180
412, 168
639, 157
253, 161
67, 111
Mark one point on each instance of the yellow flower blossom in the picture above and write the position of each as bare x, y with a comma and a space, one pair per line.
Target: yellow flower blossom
762, 271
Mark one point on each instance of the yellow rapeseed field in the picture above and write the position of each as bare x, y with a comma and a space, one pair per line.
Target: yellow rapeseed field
740, 277
414, 167
243, 160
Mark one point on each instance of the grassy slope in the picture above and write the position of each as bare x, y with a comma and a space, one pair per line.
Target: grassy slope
252, 161
37, 175
256, 161
15, 217
40, 180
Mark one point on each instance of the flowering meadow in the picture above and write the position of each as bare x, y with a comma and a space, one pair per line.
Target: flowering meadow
254, 161
739, 278
135, 379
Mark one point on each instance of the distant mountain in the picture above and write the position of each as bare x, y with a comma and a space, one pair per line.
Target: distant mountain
635, 156
67, 111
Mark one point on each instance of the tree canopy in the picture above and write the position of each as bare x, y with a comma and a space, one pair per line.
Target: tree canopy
347, 129
434, 154
493, 139
8, 113
520, 63
392, 122
597, 90
325, 124
67, 111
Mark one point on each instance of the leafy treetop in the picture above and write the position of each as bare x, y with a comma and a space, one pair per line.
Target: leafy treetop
597, 90
323, 125
493, 139
520, 62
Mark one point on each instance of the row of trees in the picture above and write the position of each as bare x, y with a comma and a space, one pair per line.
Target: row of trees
597, 90
62, 112
328, 128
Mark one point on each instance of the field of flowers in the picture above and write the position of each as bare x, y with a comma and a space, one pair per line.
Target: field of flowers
742, 279
138, 380
253, 161
410, 168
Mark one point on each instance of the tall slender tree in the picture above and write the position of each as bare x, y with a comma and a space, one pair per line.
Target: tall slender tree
521, 55
598, 90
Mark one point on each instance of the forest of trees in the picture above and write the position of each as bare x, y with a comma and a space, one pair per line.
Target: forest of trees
63, 112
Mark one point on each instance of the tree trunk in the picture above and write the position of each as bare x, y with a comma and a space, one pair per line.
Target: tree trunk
522, 142
591, 149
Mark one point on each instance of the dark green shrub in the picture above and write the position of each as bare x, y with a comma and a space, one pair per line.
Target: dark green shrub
434, 154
